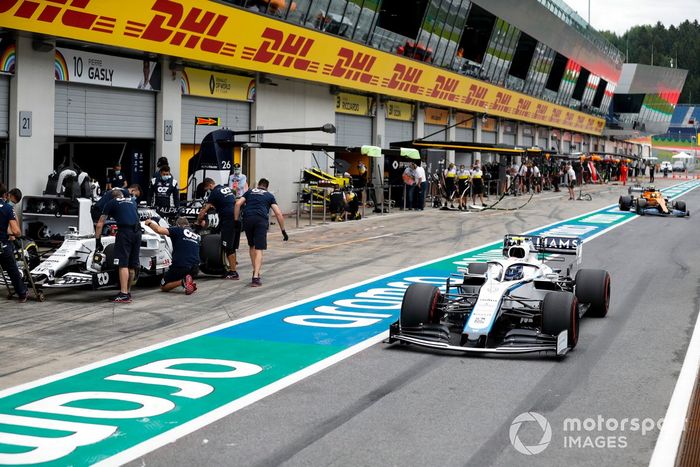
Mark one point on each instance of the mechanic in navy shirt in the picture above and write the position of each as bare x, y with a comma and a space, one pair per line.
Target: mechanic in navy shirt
255, 205
185, 264
134, 192
127, 245
117, 180
223, 199
10, 227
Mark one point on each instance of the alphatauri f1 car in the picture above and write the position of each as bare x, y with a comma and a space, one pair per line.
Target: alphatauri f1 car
517, 304
652, 202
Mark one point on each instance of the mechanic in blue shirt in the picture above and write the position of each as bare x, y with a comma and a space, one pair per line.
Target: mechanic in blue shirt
127, 245
255, 205
223, 199
185, 265
133, 193
117, 180
10, 227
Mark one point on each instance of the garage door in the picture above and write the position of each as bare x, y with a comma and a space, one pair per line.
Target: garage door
464, 134
509, 139
430, 129
4, 106
91, 111
234, 115
488, 137
397, 130
353, 130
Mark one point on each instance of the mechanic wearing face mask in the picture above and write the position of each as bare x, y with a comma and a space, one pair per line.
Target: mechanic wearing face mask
165, 191
8, 223
185, 264
223, 199
127, 245
117, 179
237, 181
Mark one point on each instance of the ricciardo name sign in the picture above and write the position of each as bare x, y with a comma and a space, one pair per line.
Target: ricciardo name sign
220, 34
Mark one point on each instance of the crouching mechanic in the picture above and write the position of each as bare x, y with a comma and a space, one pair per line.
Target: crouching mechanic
127, 245
256, 205
185, 264
223, 199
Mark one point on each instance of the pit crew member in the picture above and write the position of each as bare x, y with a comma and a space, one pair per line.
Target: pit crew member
127, 244
185, 264
223, 199
9, 227
255, 206
166, 194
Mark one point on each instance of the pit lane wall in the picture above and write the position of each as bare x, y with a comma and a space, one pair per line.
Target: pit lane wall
113, 411
232, 37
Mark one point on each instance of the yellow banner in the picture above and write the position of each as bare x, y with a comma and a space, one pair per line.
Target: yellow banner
437, 116
467, 120
216, 33
205, 83
399, 111
353, 104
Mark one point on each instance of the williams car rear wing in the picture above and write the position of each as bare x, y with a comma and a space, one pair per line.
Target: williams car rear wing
545, 244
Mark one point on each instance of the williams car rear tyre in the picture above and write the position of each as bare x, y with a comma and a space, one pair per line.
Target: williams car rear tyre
477, 268
419, 305
625, 203
560, 313
593, 287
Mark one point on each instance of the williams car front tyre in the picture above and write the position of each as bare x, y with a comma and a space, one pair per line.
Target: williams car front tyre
420, 305
560, 313
593, 287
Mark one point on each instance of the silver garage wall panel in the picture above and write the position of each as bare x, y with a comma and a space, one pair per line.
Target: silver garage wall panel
430, 129
102, 112
353, 130
4, 106
234, 115
397, 130
488, 137
464, 134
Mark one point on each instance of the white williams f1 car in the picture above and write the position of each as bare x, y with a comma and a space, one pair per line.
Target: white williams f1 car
517, 304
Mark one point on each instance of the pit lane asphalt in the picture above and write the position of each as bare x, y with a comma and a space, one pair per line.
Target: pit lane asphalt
398, 406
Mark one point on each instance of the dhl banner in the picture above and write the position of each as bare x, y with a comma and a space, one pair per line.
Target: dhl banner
399, 111
353, 104
437, 116
205, 83
216, 33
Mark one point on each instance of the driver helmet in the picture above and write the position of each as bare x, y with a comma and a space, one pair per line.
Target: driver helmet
514, 273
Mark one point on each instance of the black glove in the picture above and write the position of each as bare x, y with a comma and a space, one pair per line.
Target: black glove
285, 237
237, 225
98, 244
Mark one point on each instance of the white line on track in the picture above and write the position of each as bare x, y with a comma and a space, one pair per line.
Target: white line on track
668, 443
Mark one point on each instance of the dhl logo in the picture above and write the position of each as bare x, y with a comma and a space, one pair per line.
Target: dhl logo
445, 89
502, 102
69, 12
405, 78
287, 51
541, 110
355, 66
556, 115
194, 28
476, 96
569, 118
523, 107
